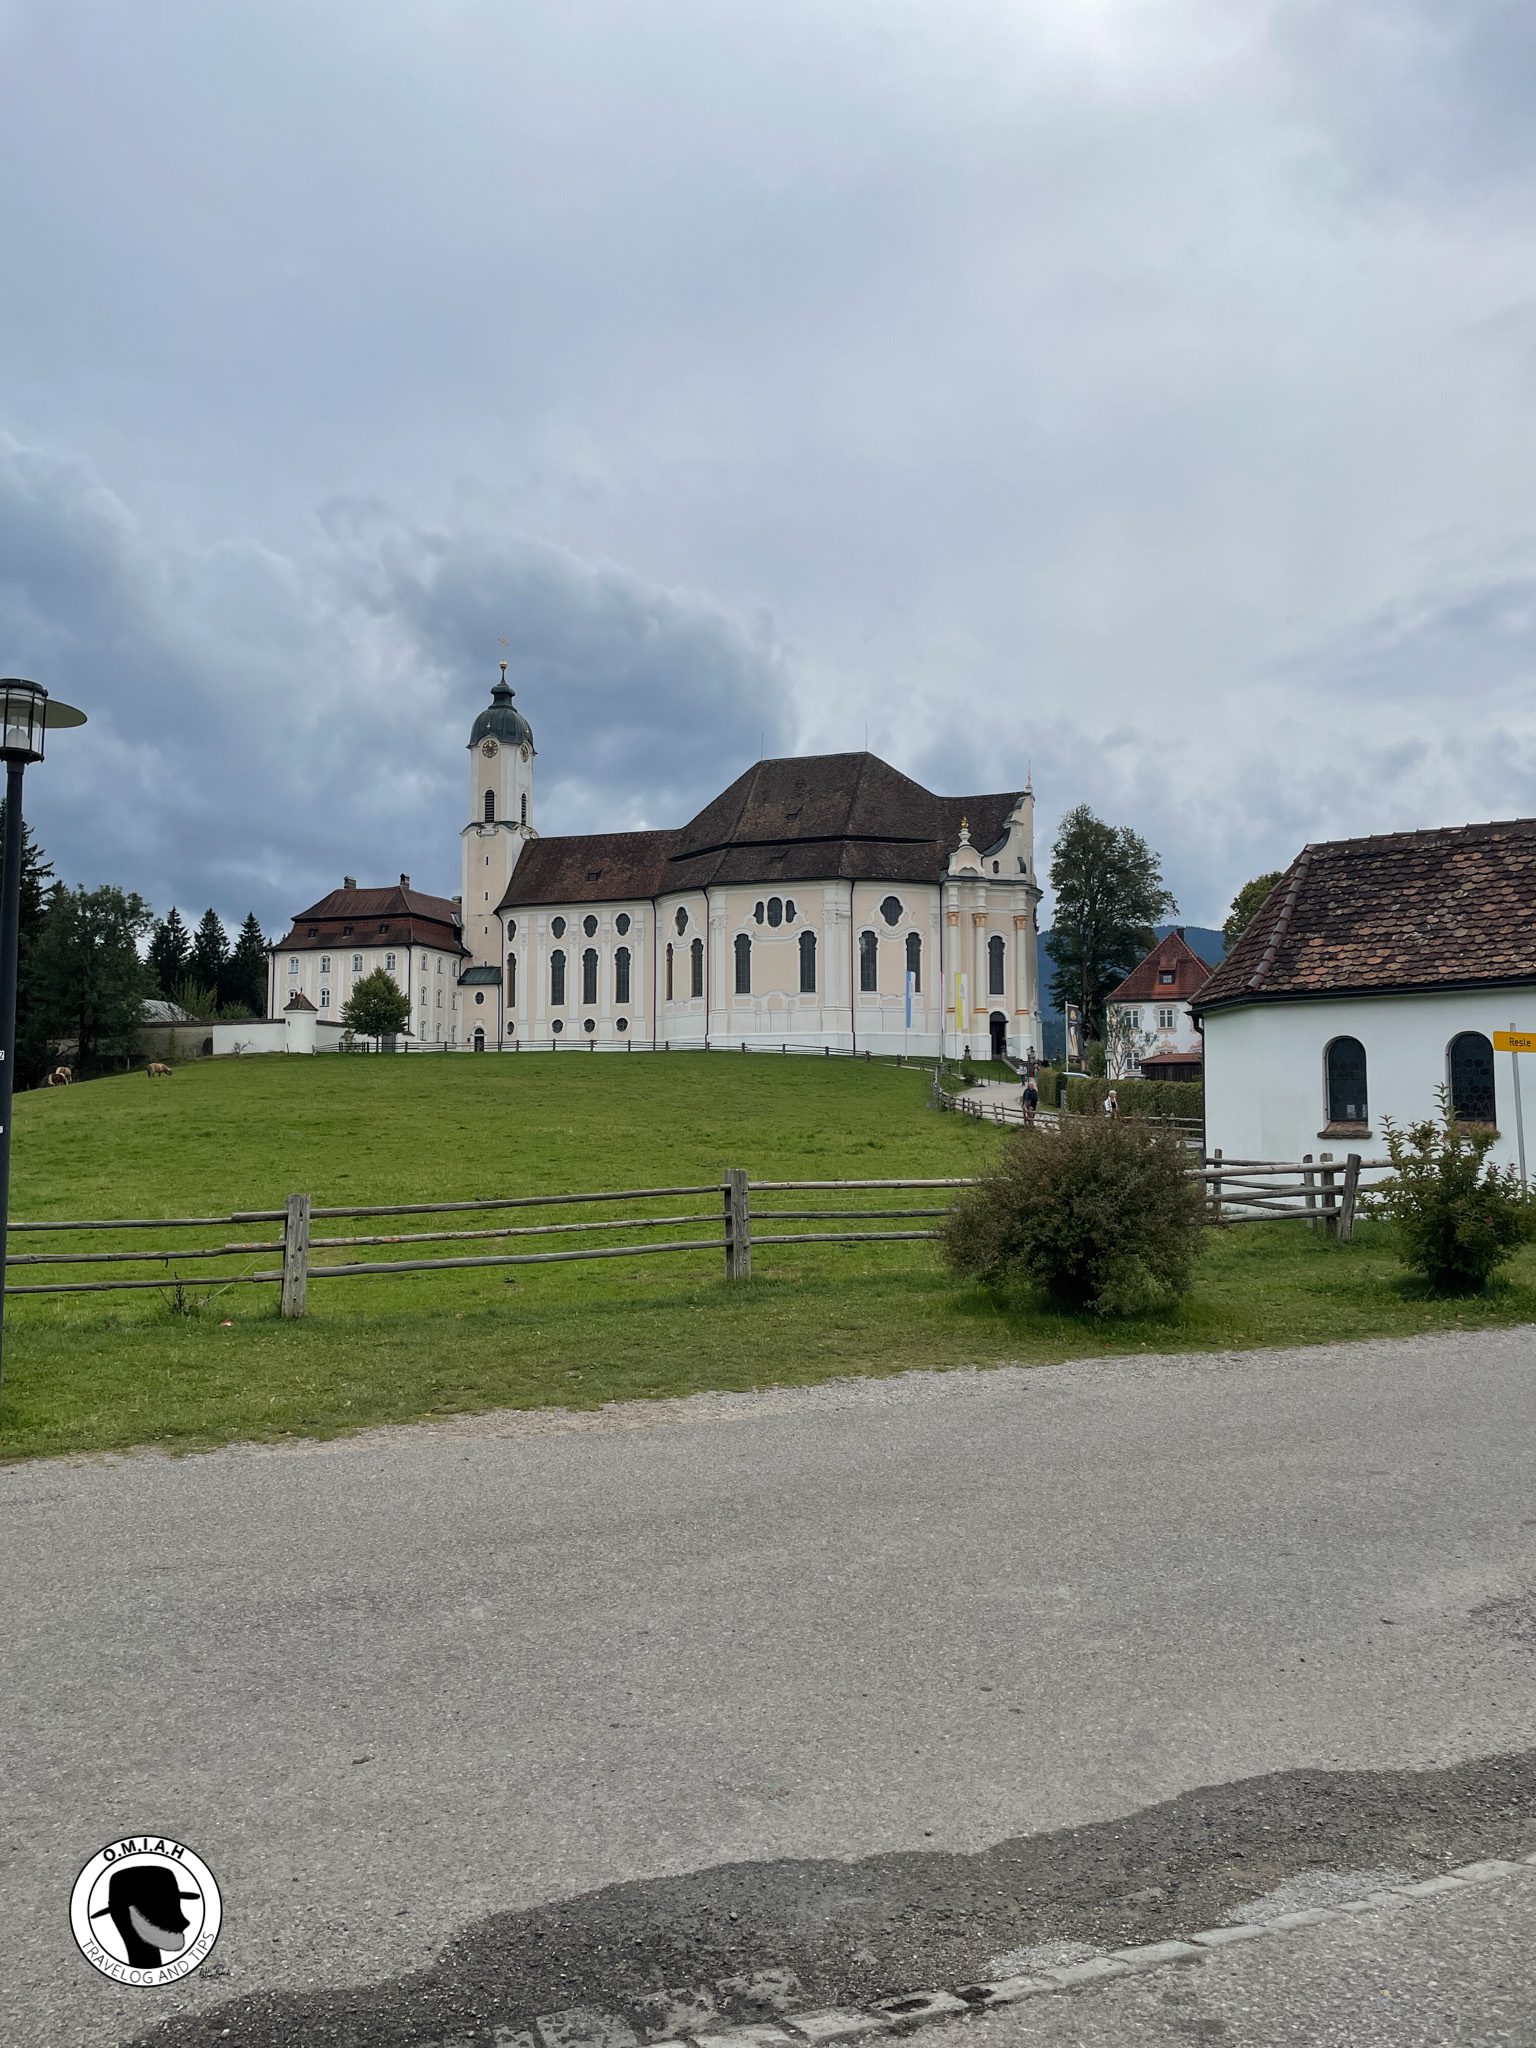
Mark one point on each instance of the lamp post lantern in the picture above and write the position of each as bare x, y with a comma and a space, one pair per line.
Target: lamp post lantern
27, 714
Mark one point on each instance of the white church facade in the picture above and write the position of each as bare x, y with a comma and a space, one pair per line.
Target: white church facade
826, 902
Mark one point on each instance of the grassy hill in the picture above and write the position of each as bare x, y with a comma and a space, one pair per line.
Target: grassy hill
111, 1370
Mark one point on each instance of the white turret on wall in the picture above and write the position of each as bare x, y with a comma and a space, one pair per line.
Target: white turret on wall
501, 755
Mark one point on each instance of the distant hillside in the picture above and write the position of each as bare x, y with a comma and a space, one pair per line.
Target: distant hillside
1208, 944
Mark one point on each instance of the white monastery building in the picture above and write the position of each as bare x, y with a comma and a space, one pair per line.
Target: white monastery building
353, 932
1157, 1037
822, 902
1376, 971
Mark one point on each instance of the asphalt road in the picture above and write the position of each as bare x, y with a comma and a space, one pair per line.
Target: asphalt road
873, 1683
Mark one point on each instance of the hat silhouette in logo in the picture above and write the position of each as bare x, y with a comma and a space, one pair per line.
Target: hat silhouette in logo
144, 1905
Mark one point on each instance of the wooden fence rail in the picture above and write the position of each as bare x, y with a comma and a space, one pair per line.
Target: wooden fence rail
1323, 1192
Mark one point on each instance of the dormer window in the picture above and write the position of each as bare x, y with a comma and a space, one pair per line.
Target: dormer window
314, 931
346, 931
1165, 977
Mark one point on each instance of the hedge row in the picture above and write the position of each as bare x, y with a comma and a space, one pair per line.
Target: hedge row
1086, 1092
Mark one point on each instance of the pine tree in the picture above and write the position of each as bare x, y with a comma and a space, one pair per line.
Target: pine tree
34, 1050
209, 962
245, 980
170, 951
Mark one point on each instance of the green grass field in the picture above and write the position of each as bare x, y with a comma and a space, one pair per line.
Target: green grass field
116, 1370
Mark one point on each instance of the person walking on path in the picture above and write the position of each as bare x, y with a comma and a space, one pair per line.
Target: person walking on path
1031, 1101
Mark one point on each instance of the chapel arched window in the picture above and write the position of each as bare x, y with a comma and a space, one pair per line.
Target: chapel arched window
1469, 1058
807, 963
743, 964
915, 959
1345, 1060
589, 975
490, 806
556, 979
869, 963
696, 968
621, 975
996, 967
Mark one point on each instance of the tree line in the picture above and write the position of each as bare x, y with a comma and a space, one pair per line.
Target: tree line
83, 979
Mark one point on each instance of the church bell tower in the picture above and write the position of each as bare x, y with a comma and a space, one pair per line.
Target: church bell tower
501, 754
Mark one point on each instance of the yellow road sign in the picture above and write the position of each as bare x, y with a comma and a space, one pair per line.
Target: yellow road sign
1514, 1041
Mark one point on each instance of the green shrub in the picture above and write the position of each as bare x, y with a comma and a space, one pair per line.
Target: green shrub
1085, 1095
1457, 1218
1100, 1215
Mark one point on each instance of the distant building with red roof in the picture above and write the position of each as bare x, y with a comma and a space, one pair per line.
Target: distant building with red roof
1151, 1033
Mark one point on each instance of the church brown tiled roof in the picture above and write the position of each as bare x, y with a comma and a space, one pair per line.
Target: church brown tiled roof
1173, 955
818, 817
1408, 910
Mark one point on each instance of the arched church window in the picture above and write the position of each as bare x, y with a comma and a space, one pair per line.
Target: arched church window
869, 963
669, 972
511, 927
556, 979
325, 963
325, 999
789, 909
589, 975
621, 975
696, 968
621, 923
775, 911
890, 910
1470, 1059
915, 959
996, 968
522, 816
490, 806
757, 913
511, 981
1345, 1061
681, 920
557, 926
807, 963
589, 926
389, 963
743, 964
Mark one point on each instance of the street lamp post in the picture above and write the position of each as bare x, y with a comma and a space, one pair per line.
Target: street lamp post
27, 712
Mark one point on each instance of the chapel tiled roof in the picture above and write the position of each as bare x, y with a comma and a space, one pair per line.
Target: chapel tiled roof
409, 916
1157, 1062
1173, 955
1453, 908
818, 817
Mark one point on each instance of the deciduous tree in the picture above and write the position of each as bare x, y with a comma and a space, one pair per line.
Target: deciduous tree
1109, 894
377, 1007
89, 981
1245, 905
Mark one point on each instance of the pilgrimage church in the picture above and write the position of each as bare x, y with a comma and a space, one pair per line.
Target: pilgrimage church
821, 902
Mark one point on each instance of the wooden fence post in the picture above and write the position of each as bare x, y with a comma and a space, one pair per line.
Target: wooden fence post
1330, 1196
1309, 1178
738, 1225
1351, 1193
1216, 1186
295, 1255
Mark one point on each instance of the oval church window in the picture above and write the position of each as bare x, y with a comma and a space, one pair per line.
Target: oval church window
890, 910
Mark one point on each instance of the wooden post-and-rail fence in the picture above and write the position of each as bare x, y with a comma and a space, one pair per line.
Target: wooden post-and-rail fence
1323, 1192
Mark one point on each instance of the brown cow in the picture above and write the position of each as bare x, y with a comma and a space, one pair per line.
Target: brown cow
157, 1067
59, 1078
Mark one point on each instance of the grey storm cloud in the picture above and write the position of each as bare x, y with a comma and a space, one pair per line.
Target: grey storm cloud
257, 724
1143, 394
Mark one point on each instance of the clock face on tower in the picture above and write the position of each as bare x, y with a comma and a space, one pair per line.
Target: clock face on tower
488, 748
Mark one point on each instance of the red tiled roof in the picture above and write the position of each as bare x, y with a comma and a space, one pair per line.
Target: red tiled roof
1453, 908
412, 918
1172, 1059
818, 817
1172, 955
298, 1001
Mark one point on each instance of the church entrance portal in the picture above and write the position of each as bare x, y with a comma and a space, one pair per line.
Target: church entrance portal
479, 1039
999, 1025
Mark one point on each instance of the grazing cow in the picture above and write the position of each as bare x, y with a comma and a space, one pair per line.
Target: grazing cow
60, 1078
157, 1067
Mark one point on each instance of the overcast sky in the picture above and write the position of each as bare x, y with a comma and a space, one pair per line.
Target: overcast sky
1144, 390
